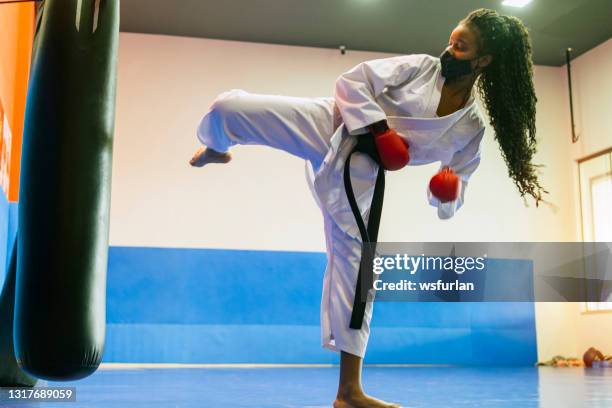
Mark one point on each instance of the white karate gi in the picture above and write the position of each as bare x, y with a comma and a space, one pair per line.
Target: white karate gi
406, 91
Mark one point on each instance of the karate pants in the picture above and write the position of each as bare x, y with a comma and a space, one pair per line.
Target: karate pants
302, 127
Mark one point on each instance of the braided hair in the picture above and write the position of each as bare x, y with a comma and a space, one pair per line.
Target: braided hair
506, 88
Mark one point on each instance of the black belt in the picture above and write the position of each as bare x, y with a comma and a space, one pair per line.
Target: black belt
369, 235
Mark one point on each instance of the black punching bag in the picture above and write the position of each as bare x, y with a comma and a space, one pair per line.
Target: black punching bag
65, 191
10, 373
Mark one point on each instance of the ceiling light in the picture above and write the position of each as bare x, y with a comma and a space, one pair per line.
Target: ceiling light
516, 3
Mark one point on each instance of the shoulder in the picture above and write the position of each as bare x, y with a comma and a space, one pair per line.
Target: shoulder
428, 59
423, 61
470, 126
474, 119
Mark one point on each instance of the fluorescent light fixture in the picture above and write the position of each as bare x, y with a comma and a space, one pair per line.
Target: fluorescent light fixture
516, 3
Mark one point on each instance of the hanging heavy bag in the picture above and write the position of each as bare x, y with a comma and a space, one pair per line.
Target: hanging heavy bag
65, 190
10, 373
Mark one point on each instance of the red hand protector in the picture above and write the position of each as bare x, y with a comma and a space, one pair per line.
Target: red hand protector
445, 185
392, 149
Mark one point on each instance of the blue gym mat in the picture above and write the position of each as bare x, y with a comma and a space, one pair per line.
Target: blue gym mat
516, 387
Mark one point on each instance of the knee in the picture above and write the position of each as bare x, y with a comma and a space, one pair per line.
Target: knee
227, 102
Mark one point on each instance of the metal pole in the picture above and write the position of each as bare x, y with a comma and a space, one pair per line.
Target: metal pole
569, 79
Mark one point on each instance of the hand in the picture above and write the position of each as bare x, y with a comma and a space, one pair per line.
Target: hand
392, 149
445, 185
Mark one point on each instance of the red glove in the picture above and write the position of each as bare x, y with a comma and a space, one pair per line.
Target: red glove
445, 185
392, 149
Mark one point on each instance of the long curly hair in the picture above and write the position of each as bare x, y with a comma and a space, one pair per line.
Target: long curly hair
506, 88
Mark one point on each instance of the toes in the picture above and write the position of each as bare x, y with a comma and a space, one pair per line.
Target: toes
205, 155
196, 163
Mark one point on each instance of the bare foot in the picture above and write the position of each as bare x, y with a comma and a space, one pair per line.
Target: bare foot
361, 400
206, 155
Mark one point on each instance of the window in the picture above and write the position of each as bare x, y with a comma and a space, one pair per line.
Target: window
595, 178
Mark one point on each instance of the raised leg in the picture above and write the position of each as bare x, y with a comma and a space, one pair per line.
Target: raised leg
299, 126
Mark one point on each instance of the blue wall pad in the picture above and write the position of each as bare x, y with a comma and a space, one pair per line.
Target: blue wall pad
173, 305
8, 229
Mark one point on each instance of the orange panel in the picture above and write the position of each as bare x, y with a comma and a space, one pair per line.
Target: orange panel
17, 22
4, 159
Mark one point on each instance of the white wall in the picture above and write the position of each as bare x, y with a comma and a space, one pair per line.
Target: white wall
592, 90
260, 200
563, 328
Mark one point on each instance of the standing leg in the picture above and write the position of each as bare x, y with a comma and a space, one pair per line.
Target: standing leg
344, 255
350, 392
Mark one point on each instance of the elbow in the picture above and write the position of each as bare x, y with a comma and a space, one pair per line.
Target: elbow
342, 87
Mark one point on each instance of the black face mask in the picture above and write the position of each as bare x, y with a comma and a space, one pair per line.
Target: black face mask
453, 68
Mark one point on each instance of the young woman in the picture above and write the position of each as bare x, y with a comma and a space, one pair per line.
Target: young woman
420, 109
